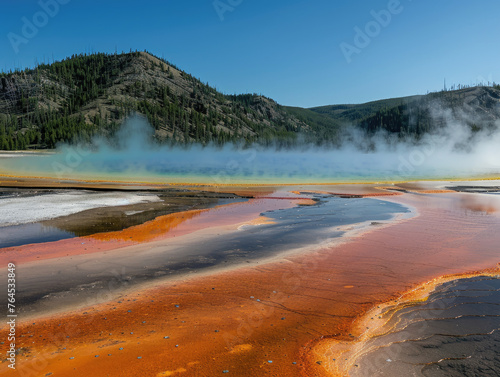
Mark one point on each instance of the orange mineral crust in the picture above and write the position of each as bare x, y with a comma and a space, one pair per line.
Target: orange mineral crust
264, 319
41, 182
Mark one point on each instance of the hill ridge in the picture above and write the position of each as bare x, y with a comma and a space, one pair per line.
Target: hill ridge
90, 94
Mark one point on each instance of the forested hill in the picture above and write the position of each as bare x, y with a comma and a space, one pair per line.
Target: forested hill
86, 95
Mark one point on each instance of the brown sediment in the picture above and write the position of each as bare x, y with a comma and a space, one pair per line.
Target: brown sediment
238, 190
372, 195
261, 220
434, 191
279, 311
47, 182
306, 202
119, 217
480, 203
358, 191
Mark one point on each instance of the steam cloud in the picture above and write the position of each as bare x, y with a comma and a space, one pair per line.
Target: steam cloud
454, 151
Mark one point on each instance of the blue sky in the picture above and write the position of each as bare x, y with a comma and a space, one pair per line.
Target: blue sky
289, 50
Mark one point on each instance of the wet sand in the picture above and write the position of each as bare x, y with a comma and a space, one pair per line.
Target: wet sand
275, 318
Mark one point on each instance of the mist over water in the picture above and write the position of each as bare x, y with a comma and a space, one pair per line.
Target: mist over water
452, 152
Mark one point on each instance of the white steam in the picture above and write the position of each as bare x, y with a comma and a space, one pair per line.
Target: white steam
453, 152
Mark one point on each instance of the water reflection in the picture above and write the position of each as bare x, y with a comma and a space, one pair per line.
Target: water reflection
26, 234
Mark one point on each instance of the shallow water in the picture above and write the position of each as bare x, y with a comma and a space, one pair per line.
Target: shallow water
305, 225
26, 234
456, 332
101, 219
294, 228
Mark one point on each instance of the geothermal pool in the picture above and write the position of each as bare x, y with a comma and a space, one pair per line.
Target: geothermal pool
256, 280
137, 157
234, 165
283, 231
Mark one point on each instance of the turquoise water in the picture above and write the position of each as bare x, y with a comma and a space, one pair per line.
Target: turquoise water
233, 166
133, 155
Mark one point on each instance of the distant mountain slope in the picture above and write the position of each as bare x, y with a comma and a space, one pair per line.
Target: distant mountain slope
479, 107
88, 95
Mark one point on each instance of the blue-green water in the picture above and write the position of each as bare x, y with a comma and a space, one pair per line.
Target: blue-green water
232, 166
133, 156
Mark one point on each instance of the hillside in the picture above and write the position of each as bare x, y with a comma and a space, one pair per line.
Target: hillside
479, 107
87, 95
